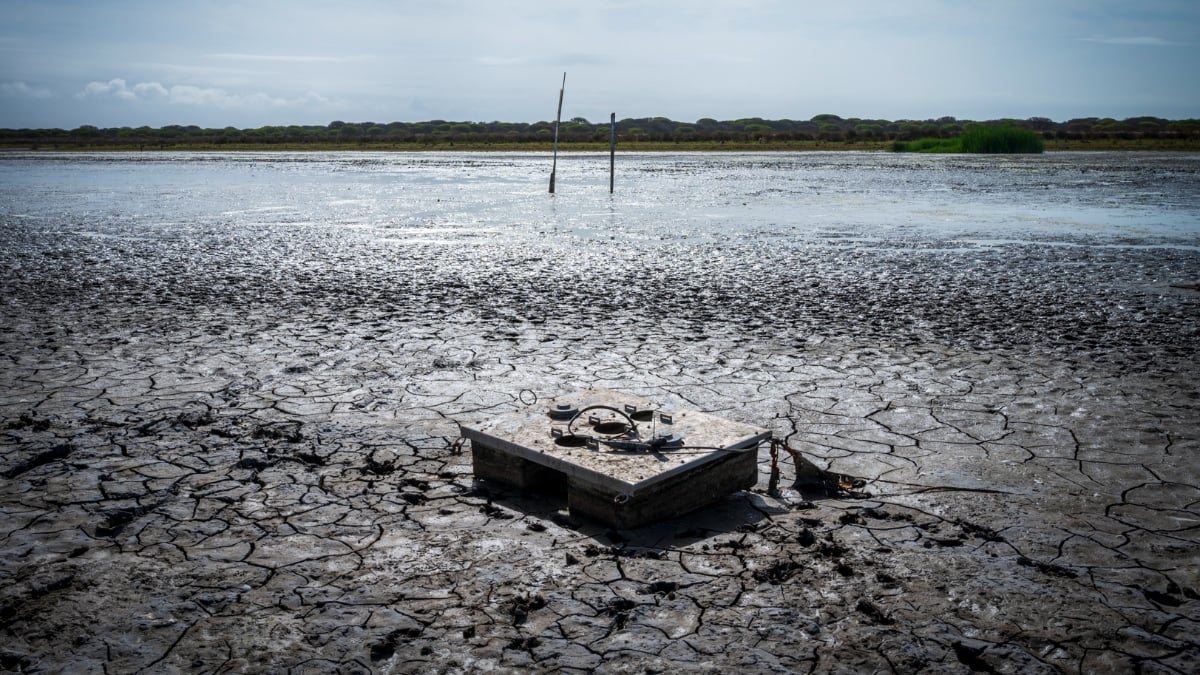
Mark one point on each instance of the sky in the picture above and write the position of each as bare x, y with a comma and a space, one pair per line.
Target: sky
253, 63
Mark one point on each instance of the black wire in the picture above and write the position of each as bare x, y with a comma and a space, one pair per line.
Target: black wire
641, 446
622, 413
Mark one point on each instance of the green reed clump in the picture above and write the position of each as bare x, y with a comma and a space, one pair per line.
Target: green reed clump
979, 139
929, 145
1001, 140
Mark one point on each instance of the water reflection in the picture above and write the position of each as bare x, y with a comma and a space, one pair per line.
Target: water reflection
1060, 197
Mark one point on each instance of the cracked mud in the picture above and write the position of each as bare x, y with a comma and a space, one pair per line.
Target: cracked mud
228, 417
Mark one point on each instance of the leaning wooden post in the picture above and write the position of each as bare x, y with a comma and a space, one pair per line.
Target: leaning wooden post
612, 150
557, 119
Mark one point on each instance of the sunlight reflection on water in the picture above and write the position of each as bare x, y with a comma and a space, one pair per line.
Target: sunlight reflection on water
1140, 197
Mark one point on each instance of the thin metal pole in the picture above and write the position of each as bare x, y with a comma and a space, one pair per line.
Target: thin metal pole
557, 119
612, 151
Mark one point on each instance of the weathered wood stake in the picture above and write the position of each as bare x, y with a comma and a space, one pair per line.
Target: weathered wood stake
612, 150
557, 120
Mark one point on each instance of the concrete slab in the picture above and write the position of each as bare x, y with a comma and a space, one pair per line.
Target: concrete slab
623, 460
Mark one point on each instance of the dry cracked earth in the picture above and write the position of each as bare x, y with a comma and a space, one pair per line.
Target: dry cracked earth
227, 450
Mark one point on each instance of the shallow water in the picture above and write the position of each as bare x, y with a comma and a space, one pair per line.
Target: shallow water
848, 196
1058, 250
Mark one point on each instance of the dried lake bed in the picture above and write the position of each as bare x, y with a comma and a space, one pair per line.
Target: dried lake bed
232, 384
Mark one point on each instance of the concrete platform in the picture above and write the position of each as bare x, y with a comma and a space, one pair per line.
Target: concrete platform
622, 460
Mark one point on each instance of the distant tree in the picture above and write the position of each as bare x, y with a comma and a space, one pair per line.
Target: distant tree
1038, 124
1184, 127
748, 120
825, 126
869, 131
826, 118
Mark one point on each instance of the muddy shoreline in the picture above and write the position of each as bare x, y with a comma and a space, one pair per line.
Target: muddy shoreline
230, 449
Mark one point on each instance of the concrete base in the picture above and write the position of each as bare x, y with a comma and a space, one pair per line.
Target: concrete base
621, 489
674, 497
493, 465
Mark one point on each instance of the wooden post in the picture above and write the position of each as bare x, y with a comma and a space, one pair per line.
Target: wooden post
612, 151
557, 119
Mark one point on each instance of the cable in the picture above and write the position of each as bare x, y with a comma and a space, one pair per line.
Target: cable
632, 425
632, 443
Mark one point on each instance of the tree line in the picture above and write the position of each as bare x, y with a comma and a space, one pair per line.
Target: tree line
821, 128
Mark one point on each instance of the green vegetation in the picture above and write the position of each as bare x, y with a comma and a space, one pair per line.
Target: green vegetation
999, 140
929, 145
822, 132
979, 139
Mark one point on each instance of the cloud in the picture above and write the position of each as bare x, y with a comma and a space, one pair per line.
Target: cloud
502, 60
189, 95
115, 88
281, 58
564, 59
1135, 40
150, 90
24, 90
184, 94
577, 59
